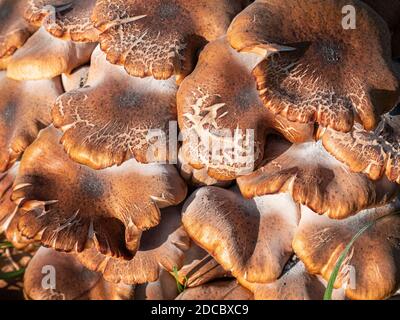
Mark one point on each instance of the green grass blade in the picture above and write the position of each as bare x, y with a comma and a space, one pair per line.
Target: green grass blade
12, 275
6, 245
329, 289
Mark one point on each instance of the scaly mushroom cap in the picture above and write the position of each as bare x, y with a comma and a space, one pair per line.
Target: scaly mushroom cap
358, 82
14, 30
162, 247
160, 38
65, 19
220, 112
374, 153
71, 206
24, 110
164, 288
4, 63
374, 260
72, 280
44, 57
316, 179
250, 238
76, 80
219, 290
295, 284
108, 120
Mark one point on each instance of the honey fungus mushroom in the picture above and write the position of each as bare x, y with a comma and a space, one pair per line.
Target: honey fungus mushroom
223, 121
160, 38
161, 248
375, 153
14, 30
316, 179
64, 19
320, 73
373, 261
249, 238
71, 281
45, 57
25, 109
111, 118
70, 207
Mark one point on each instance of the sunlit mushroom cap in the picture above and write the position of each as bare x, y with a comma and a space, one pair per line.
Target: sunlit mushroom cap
70, 206
222, 118
25, 108
218, 290
160, 38
324, 72
250, 238
116, 116
161, 247
53, 275
14, 30
65, 19
371, 269
316, 179
375, 153
44, 57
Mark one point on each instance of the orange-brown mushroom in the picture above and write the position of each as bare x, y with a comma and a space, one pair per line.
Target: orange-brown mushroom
372, 265
250, 238
70, 207
25, 109
316, 179
324, 72
375, 153
113, 116
160, 38
44, 57
162, 247
53, 275
294, 284
14, 30
222, 119
65, 19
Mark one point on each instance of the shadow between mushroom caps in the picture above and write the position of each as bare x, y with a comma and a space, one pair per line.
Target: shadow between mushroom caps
312, 39
71, 207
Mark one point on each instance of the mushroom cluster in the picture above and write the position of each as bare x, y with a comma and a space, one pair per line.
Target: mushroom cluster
201, 149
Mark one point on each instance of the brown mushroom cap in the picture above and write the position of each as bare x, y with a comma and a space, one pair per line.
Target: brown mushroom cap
250, 238
7, 206
374, 259
295, 284
316, 179
164, 288
4, 63
14, 30
160, 38
333, 76
24, 110
65, 19
77, 79
44, 57
218, 290
162, 247
70, 206
218, 103
72, 280
374, 153
103, 134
